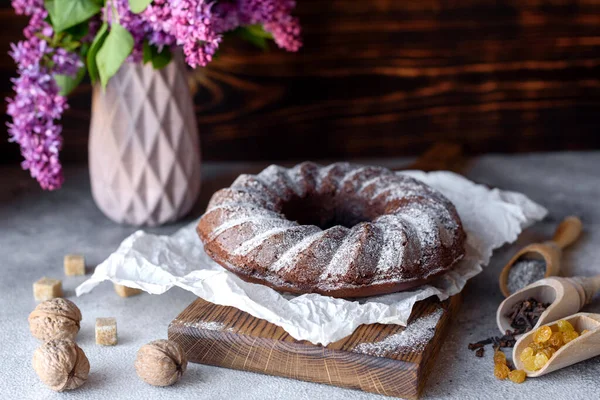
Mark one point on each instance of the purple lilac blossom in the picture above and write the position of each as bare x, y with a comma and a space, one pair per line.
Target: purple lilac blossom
187, 23
34, 110
28, 7
286, 33
274, 15
37, 104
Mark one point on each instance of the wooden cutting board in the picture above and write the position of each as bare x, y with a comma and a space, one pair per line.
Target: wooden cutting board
375, 358
230, 338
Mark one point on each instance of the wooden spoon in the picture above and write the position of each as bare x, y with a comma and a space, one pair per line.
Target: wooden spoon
566, 233
566, 295
584, 347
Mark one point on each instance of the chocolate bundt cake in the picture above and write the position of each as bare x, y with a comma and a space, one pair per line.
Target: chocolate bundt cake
342, 230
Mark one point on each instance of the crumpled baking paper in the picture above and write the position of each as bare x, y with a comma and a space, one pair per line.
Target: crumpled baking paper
154, 263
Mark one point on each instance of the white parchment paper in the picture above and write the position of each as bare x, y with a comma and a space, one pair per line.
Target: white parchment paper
154, 263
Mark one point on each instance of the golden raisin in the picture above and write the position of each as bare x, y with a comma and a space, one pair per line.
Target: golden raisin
540, 360
501, 371
536, 346
556, 340
526, 353
517, 376
569, 335
564, 326
529, 363
499, 357
548, 352
542, 334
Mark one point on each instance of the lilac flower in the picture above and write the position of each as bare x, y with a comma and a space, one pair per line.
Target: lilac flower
286, 33
274, 15
227, 16
28, 7
28, 54
66, 62
37, 104
34, 110
265, 11
188, 23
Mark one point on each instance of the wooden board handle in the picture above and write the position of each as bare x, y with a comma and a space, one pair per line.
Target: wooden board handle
567, 232
590, 285
441, 156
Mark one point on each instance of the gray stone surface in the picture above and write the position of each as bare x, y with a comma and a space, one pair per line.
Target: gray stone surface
38, 228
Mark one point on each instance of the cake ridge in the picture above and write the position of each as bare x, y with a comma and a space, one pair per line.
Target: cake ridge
341, 262
295, 250
351, 174
251, 244
391, 252
236, 222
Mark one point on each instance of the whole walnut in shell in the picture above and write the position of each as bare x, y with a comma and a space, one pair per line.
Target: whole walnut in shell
161, 362
55, 319
61, 364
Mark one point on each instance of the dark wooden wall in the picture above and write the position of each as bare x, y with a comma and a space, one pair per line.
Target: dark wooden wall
389, 77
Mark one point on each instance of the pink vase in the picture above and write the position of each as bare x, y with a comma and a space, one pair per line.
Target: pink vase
144, 151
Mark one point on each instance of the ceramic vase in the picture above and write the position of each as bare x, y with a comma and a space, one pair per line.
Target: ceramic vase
144, 151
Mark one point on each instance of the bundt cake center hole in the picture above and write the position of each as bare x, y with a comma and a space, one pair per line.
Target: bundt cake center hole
325, 212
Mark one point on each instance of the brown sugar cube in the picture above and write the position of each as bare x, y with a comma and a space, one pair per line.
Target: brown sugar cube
47, 289
74, 265
125, 291
106, 331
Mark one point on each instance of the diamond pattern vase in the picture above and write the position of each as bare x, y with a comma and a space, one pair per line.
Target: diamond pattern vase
144, 151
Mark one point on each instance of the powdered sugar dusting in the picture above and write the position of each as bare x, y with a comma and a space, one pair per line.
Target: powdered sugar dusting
413, 338
328, 173
351, 174
288, 257
340, 263
394, 237
423, 223
256, 241
322, 173
259, 225
277, 178
205, 325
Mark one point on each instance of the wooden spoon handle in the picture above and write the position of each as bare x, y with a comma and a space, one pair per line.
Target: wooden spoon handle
567, 232
590, 285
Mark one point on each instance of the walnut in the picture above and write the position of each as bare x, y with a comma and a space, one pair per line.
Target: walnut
55, 319
161, 362
61, 364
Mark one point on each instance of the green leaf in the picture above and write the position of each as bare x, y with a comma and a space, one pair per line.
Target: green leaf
93, 51
137, 6
162, 59
83, 50
259, 30
147, 53
79, 31
258, 41
70, 45
159, 59
65, 14
254, 34
68, 83
113, 53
